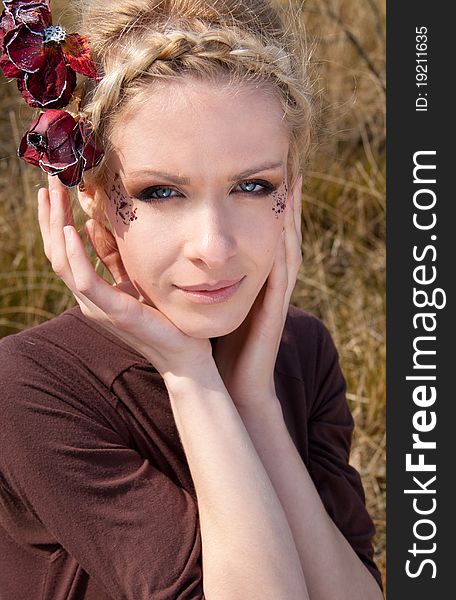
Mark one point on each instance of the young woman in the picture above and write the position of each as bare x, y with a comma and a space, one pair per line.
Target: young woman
182, 433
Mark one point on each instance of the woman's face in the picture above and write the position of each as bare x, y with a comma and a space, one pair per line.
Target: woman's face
196, 191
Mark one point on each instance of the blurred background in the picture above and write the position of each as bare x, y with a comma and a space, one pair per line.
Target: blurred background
342, 279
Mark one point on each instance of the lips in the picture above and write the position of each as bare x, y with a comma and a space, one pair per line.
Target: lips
214, 296
209, 287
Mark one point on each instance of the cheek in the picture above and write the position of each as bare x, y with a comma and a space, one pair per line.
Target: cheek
262, 242
147, 250
279, 200
121, 208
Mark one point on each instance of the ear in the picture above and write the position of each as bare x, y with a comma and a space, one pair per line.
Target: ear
91, 200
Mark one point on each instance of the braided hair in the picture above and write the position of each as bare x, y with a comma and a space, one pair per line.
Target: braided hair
135, 43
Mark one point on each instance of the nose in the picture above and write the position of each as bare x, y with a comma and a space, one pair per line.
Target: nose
210, 236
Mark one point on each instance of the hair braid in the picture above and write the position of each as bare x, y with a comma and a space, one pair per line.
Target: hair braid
145, 40
187, 51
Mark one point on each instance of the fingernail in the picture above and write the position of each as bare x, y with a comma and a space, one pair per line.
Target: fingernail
52, 190
68, 232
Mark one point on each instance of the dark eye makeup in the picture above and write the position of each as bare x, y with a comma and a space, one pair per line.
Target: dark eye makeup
161, 193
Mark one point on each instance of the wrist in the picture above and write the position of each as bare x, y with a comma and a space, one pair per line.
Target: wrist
266, 408
254, 397
201, 375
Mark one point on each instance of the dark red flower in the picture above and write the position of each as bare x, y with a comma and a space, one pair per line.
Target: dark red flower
60, 146
43, 57
45, 83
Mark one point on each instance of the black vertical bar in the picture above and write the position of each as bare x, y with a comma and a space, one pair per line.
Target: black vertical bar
420, 281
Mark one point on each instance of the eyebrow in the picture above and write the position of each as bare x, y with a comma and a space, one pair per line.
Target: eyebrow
178, 180
264, 167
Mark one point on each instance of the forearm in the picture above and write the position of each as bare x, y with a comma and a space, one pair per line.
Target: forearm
247, 546
331, 568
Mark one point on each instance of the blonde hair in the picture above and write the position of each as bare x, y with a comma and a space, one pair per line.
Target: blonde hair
137, 42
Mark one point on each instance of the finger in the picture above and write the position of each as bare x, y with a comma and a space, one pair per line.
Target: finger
291, 256
271, 319
57, 187
292, 238
117, 310
277, 281
59, 203
105, 245
297, 208
106, 302
43, 220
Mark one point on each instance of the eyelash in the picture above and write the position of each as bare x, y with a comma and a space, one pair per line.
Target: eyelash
144, 196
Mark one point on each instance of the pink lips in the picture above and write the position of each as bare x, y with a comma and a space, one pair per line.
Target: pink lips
222, 292
207, 287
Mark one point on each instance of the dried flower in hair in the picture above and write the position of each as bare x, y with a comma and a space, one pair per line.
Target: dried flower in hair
61, 146
43, 57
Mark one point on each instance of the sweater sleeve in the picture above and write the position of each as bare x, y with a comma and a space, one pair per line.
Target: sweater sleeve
330, 431
127, 524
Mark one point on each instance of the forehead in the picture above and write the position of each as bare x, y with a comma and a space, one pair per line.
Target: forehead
191, 122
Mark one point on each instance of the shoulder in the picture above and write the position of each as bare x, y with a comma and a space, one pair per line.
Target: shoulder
66, 347
56, 383
58, 372
307, 324
307, 348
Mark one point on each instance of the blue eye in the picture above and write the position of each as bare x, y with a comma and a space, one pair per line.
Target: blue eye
156, 193
249, 187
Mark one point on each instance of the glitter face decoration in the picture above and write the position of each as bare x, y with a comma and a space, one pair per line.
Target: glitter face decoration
122, 202
280, 199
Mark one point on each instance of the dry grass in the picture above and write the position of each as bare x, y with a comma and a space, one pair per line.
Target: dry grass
342, 279
343, 275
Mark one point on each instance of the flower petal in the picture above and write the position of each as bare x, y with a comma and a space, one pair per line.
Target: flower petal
52, 167
61, 146
25, 49
34, 144
52, 86
30, 14
72, 175
28, 152
7, 24
51, 143
77, 53
22, 87
9, 70
88, 148
62, 133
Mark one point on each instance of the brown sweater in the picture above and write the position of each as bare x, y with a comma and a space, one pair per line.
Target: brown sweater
96, 497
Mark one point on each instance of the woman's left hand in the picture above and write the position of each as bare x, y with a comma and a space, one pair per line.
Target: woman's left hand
246, 357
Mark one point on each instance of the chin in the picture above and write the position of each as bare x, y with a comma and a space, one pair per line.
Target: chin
204, 326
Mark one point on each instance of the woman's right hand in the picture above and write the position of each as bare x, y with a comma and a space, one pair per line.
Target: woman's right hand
115, 307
